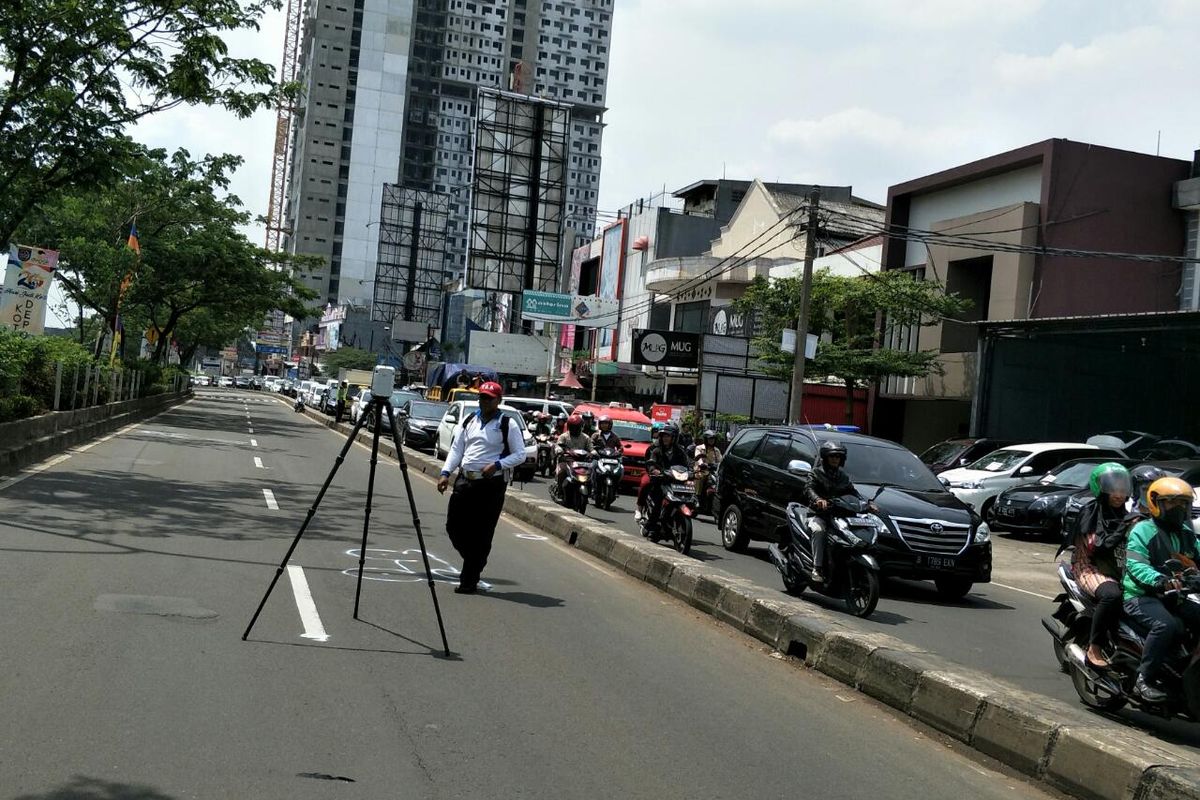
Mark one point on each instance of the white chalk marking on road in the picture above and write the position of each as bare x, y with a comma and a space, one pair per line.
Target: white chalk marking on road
1022, 591
254, 442
313, 629
269, 496
533, 537
258, 463
30, 472
250, 430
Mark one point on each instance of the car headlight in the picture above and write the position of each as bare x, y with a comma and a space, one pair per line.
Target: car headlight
966, 485
983, 533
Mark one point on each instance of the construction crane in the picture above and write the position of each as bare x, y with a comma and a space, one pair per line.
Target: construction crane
284, 111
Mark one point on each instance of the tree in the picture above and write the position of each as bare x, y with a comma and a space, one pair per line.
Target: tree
193, 253
78, 73
856, 314
348, 358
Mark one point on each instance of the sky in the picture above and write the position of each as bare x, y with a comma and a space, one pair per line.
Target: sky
867, 93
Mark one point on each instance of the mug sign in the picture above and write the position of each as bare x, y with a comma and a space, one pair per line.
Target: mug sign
666, 348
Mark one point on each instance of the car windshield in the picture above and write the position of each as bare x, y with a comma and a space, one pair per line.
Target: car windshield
400, 398
1000, 461
942, 453
631, 431
1071, 474
891, 466
427, 410
365, 396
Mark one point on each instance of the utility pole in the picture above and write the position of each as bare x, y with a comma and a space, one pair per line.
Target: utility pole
796, 411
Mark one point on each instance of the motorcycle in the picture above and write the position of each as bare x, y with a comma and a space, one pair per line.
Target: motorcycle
545, 454
706, 487
851, 569
298, 406
607, 471
677, 506
1112, 689
572, 489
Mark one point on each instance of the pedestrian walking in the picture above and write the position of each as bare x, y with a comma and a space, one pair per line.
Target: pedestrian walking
484, 453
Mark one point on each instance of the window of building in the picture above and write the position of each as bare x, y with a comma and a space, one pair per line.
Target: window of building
689, 317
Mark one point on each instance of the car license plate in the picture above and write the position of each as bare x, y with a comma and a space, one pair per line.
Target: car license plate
937, 562
1008, 512
860, 521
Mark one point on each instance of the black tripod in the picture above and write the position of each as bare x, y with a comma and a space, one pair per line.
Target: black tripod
379, 405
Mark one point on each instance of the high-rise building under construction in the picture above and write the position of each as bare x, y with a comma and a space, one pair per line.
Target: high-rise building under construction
388, 97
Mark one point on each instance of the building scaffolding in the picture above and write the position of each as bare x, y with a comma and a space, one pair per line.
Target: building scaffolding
518, 192
281, 158
411, 271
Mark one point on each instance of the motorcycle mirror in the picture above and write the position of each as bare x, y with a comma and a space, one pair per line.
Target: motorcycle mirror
799, 467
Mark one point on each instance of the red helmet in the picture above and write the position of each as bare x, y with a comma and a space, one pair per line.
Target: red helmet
574, 419
492, 389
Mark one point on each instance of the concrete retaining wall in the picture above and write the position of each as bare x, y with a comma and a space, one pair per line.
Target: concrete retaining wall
1061, 744
27, 441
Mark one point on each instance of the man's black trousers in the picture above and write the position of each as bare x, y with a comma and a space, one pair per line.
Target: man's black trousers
471, 518
1165, 629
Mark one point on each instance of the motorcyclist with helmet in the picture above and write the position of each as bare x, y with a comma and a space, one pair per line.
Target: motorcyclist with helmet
663, 455
827, 481
604, 438
560, 423
589, 423
541, 425
1168, 534
573, 438
1143, 476
1098, 539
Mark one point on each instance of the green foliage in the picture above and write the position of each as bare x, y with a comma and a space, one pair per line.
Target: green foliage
847, 310
28, 364
17, 407
348, 358
78, 73
194, 258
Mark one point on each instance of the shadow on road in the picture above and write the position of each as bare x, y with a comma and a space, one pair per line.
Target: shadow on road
528, 599
83, 788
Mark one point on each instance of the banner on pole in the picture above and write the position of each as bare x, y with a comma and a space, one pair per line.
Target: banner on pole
27, 280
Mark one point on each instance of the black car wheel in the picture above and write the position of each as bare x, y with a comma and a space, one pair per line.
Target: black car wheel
733, 538
951, 588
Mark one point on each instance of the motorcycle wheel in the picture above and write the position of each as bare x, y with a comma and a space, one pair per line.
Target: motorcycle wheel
862, 590
681, 534
793, 582
1088, 695
580, 502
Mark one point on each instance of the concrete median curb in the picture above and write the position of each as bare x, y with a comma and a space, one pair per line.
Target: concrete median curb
49, 434
1063, 745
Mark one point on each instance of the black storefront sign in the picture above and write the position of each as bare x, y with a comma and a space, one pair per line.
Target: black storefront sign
666, 348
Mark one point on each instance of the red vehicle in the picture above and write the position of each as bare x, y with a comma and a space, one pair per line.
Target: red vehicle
634, 429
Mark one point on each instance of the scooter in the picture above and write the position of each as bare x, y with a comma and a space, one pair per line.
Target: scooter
545, 454
851, 569
572, 489
607, 472
706, 489
1111, 689
677, 507
298, 406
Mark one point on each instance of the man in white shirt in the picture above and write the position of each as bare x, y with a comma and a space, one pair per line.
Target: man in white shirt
485, 451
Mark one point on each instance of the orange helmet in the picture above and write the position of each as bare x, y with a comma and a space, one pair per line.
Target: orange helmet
1166, 489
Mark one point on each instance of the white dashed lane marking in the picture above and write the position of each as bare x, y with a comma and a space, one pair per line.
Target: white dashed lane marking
258, 463
269, 496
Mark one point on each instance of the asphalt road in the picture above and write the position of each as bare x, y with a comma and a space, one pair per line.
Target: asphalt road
131, 568
996, 628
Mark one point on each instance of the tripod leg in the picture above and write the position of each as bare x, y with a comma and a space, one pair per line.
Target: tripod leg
412, 504
362, 551
311, 512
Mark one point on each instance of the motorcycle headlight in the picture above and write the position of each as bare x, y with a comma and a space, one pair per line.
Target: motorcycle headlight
983, 533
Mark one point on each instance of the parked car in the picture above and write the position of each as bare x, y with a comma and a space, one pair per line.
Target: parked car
634, 428
931, 534
1038, 507
225, 381
419, 423
399, 398
452, 422
1170, 450
978, 484
960, 452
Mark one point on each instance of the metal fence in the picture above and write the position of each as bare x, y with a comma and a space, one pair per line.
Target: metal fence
83, 386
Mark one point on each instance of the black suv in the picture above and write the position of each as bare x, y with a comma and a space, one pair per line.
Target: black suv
932, 535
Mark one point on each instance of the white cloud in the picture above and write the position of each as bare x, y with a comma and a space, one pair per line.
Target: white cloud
1123, 51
